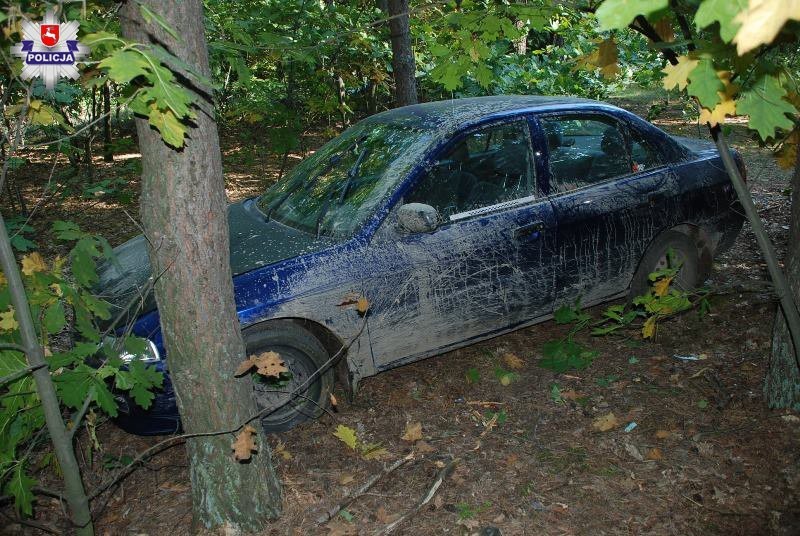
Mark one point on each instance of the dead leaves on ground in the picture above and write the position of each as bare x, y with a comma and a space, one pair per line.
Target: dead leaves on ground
244, 445
413, 432
606, 422
513, 361
368, 451
267, 364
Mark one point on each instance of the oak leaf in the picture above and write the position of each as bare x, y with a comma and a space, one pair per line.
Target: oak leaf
655, 454
413, 432
513, 361
33, 263
717, 115
244, 444
269, 364
661, 287
762, 21
7, 320
649, 328
678, 75
244, 367
787, 154
605, 422
346, 435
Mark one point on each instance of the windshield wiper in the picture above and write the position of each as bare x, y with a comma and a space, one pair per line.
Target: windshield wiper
352, 173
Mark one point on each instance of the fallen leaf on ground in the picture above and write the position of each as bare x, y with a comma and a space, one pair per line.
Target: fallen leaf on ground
269, 364
244, 444
33, 263
373, 452
423, 447
513, 361
341, 528
280, 450
385, 517
662, 434
631, 449
346, 435
413, 432
572, 394
605, 423
346, 479
655, 454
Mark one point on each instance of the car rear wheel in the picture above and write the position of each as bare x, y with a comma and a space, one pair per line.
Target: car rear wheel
657, 257
303, 355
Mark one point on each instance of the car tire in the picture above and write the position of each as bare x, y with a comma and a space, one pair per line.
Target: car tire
656, 258
303, 354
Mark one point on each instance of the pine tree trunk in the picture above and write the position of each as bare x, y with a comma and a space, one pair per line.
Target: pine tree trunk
184, 210
782, 381
403, 64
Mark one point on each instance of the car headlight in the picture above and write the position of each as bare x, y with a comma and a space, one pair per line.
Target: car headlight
148, 355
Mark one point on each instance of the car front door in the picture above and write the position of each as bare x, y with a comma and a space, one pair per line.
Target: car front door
487, 267
609, 189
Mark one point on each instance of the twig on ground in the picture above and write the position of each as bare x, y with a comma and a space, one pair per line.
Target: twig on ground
437, 483
330, 514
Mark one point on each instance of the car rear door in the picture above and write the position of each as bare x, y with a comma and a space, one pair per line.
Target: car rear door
611, 193
486, 268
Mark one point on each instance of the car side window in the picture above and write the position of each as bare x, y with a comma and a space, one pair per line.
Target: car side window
585, 150
487, 167
643, 154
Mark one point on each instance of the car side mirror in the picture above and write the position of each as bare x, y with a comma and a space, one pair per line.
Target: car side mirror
418, 218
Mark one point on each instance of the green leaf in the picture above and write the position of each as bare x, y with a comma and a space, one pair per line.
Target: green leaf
765, 105
172, 130
484, 75
124, 65
145, 378
20, 486
149, 15
705, 84
722, 11
473, 376
617, 14
67, 230
53, 319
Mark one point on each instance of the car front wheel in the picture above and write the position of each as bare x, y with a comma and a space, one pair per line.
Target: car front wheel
299, 394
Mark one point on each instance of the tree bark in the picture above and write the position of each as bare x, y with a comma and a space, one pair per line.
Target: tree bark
403, 64
184, 210
108, 154
782, 381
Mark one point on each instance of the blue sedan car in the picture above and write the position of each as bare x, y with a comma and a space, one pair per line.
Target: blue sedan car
454, 221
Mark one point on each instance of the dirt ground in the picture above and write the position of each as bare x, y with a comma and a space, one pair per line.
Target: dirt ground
695, 450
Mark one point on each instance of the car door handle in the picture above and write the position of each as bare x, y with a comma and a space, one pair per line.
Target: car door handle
529, 230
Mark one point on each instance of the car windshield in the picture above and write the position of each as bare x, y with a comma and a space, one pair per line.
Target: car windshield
335, 190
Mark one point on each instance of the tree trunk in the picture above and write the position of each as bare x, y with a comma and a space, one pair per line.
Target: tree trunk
782, 381
184, 210
403, 65
108, 154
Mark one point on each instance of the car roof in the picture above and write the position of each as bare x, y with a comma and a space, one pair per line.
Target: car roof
456, 113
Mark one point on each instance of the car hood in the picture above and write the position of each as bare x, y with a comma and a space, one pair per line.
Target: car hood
254, 242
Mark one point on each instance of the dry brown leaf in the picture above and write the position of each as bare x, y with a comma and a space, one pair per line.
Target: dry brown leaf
655, 454
346, 479
244, 367
413, 432
244, 444
423, 447
513, 361
362, 305
605, 423
334, 403
663, 28
340, 528
33, 263
572, 394
269, 364
662, 434
385, 517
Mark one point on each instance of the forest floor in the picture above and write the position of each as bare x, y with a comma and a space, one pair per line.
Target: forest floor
706, 456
